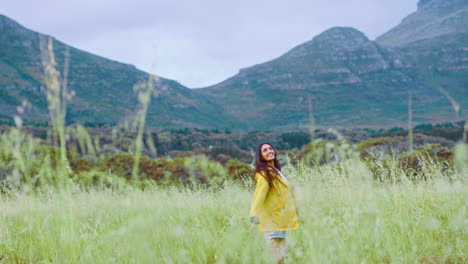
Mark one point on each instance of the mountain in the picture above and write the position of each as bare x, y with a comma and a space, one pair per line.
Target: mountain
103, 88
353, 81
350, 80
433, 42
338, 78
433, 18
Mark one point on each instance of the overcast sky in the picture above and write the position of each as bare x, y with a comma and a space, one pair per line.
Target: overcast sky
199, 42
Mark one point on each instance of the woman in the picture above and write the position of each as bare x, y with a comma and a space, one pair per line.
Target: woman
273, 207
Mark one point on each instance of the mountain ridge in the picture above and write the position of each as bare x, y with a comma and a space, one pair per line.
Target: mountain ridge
103, 87
338, 78
351, 79
451, 16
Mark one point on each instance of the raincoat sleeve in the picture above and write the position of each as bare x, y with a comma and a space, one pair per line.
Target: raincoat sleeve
260, 193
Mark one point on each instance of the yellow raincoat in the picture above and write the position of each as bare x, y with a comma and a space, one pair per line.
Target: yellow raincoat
273, 207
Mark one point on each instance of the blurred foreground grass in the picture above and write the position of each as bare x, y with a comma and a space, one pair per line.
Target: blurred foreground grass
345, 218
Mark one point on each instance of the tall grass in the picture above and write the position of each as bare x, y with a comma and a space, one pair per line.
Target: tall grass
345, 215
144, 90
410, 123
57, 95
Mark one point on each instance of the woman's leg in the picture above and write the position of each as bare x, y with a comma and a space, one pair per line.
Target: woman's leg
279, 249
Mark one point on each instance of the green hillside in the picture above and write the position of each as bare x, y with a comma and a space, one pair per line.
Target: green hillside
103, 88
349, 80
353, 81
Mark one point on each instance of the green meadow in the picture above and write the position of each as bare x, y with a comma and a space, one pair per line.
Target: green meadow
346, 217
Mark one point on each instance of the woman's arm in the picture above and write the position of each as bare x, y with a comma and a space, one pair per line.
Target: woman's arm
261, 191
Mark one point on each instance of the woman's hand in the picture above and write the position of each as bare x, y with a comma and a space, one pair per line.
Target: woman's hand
254, 221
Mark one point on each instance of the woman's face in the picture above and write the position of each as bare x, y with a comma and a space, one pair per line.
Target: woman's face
268, 153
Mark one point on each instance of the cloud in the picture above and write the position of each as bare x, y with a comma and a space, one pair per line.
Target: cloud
200, 43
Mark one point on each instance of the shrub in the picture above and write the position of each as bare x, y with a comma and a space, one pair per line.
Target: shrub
81, 165
94, 179
237, 170
120, 164
325, 151
155, 170
372, 147
24, 161
200, 170
294, 139
422, 156
223, 158
229, 151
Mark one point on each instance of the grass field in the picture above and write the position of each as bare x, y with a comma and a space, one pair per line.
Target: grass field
346, 217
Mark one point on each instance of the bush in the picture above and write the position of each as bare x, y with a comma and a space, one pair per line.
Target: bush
238, 170
320, 152
223, 159
200, 170
432, 154
294, 140
24, 161
120, 164
94, 179
81, 165
155, 170
229, 151
369, 148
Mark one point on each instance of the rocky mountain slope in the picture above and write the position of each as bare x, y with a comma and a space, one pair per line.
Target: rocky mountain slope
338, 78
433, 18
103, 88
349, 79
353, 81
